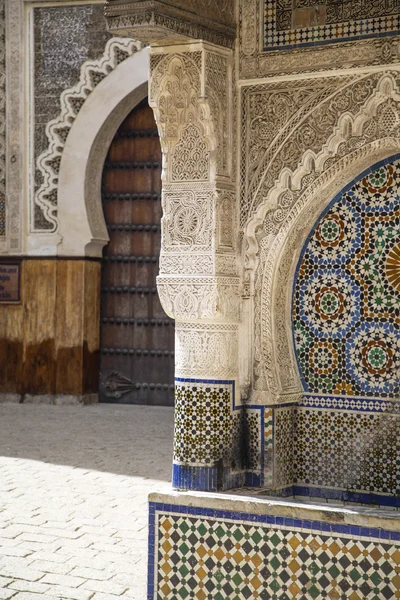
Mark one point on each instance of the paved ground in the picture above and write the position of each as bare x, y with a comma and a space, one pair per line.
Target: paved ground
73, 499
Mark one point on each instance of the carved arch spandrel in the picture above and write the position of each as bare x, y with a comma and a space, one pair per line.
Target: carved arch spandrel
292, 180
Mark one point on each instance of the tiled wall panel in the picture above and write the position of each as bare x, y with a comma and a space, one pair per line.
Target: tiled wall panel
297, 23
346, 307
208, 554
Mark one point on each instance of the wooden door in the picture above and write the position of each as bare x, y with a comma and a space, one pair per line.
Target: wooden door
137, 337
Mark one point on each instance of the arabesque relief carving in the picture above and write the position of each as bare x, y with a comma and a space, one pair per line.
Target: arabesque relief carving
182, 20
190, 93
57, 130
205, 348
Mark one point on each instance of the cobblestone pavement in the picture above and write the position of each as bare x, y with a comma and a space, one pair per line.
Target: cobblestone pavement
73, 498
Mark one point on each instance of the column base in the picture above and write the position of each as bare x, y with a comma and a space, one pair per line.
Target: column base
206, 479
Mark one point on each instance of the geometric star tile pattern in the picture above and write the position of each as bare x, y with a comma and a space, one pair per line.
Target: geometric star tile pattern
290, 23
204, 423
218, 559
284, 446
351, 451
210, 427
346, 301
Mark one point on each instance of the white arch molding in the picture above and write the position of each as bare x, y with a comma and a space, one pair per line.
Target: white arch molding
82, 230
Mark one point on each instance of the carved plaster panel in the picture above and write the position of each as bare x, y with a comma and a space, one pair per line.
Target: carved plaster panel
196, 298
187, 264
190, 93
72, 100
189, 99
202, 264
217, 89
210, 349
226, 221
349, 115
2, 120
14, 124
188, 220
226, 264
285, 122
191, 156
254, 62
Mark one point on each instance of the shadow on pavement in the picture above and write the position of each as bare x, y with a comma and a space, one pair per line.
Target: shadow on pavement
124, 440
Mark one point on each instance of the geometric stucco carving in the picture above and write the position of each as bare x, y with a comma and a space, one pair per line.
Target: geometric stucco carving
366, 106
92, 73
206, 349
200, 298
190, 92
365, 129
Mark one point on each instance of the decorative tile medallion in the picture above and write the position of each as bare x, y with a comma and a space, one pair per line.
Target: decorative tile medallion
346, 300
296, 23
202, 554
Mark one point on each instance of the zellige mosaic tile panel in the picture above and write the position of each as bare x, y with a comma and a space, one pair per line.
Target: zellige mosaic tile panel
347, 450
217, 444
297, 23
238, 556
346, 298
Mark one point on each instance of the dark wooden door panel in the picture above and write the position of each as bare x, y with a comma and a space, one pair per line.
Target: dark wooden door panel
137, 337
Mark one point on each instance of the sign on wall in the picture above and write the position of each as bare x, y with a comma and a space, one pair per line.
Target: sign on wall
9, 283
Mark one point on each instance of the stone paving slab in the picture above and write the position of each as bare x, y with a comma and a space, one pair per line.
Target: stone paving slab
73, 498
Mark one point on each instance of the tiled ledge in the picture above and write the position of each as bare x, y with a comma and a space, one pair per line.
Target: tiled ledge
219, 546
298, 508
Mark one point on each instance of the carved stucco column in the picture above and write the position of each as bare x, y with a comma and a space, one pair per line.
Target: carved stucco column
191, 93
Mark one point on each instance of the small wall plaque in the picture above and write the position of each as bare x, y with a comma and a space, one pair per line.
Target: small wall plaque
9, 283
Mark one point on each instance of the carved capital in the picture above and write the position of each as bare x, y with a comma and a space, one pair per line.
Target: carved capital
206, 350
190, 93
200, 298
161, 22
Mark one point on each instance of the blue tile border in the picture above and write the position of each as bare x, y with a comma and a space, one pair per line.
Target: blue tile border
346, 496
300, 45
324, 527
194, 478
349, 403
